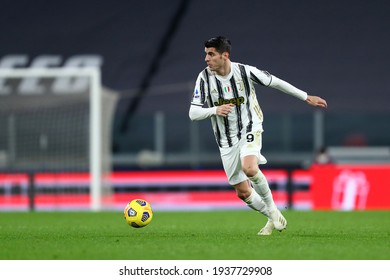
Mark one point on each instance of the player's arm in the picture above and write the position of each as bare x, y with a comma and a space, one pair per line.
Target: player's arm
284, 86
266, 79
198, 113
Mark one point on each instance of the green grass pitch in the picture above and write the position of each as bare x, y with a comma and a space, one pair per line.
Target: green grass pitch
214, 235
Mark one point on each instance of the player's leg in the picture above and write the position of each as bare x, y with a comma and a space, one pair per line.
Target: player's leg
250, 152
260, 185
251, 158
259, 181
232, 165
246, 193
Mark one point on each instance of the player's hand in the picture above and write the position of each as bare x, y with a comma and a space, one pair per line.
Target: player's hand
224, 110
316, 101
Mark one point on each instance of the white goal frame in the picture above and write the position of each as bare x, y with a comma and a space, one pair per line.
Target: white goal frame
95, 91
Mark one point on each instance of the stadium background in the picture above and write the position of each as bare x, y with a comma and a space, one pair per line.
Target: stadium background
151, 53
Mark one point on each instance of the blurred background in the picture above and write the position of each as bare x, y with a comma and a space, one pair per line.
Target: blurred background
149, 54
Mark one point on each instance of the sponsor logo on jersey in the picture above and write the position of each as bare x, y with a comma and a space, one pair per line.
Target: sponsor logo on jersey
236, 101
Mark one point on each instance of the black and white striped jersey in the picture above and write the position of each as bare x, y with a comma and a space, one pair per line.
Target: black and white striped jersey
236, 88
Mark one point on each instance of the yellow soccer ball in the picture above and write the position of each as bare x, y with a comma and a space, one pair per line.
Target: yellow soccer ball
138, 213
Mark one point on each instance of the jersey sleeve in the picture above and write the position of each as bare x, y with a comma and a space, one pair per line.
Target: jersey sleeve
288, 88
260, 76
199, 94
197, 113
266, 79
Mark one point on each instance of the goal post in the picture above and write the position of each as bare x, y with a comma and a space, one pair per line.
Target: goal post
96, 170
58, 120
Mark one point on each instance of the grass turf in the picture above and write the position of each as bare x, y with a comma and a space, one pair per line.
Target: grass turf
217, 235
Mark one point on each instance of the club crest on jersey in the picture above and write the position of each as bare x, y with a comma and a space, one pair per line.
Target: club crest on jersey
236, 101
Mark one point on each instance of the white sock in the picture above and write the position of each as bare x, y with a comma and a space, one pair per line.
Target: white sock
254, 201
261, 186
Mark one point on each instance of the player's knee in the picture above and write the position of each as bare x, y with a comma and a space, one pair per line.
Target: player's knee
250, 170
243, 191
242, 195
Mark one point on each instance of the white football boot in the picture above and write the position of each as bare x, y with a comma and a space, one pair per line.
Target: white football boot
267, 229
280, 223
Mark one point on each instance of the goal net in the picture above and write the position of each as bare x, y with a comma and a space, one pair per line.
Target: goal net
57, 122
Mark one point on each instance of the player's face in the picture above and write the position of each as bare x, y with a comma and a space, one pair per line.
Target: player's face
215, 60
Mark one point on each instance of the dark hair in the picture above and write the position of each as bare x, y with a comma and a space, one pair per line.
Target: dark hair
220, 43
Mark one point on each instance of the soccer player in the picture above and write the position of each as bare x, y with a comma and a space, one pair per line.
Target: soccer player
228, 88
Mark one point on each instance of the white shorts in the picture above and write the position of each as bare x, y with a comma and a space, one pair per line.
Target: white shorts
231, 156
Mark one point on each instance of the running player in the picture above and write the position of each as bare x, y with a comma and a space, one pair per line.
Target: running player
228, 88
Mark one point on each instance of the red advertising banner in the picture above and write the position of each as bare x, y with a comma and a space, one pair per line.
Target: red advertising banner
331, 187
351, 187
168, 190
